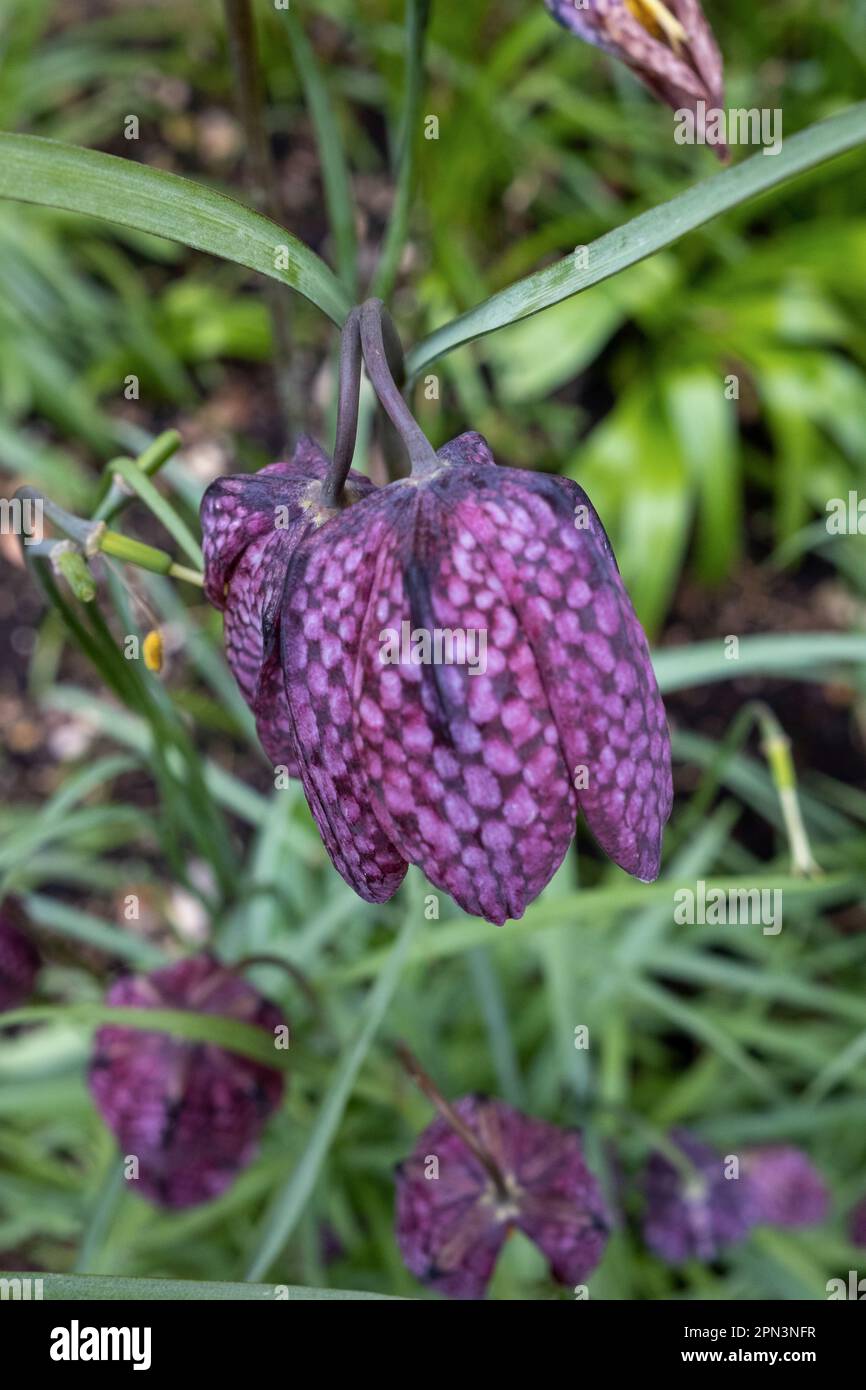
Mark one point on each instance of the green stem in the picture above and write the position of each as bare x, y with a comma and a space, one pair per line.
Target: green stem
776, 747
418, 14
261, 182
149, 462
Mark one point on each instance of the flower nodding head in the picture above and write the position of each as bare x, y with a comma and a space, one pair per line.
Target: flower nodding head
190, 1113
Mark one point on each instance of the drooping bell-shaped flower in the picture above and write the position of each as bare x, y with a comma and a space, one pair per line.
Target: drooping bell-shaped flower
454, 1211
251, 524
787, 1188
191, 1113
694, 1209
19, 958
668, 44
453, 665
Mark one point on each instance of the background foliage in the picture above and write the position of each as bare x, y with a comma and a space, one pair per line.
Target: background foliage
118, 782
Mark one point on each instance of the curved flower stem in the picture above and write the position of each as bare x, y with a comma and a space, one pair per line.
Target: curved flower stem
383, 358
448, 1113
347, 410
280, 963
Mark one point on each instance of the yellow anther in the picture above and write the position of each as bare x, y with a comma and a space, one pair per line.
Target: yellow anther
658, 20
152, 650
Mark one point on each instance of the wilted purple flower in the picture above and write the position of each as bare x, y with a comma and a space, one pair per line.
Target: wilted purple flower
452, 1221
19, 958
190, 1112
475, 774
857, 1224
692, 1215
787, 1188
669, 46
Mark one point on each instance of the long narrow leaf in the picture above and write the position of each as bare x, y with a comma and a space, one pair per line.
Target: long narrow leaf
646, 234
34, 170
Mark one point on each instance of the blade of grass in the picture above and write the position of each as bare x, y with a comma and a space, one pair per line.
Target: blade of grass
332, 155
243, 1038
77, 1288
417, 16
592, 908
161, 509
280, 1220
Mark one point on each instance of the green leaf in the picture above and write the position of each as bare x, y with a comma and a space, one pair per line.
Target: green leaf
646, 234
335, 172
71, 1288
230, 1033
807, 655
34, 170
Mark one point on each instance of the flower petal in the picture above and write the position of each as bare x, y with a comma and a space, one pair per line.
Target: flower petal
465, 771
328, 587
592, 656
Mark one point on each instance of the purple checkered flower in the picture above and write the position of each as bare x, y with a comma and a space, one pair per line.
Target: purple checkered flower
454, 1214
475, 773
191, 1113
787, 1187
19, 958
251, 524
694, 1210
669, 46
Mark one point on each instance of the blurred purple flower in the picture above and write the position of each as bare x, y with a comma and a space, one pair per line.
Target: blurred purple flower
669, 46
857, 1224
787, 1188
694, 1215
451, 1221
19, 958
191, 1113
475, 775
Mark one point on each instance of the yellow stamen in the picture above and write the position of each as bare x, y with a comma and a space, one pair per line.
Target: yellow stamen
152, 650
658, 20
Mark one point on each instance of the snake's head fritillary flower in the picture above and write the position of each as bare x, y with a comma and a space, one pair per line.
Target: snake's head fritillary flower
251, 523
857, 1224
470, 758
19, 958
669, 46
190, 1112
694, 1209
787, 1188
453, 1218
